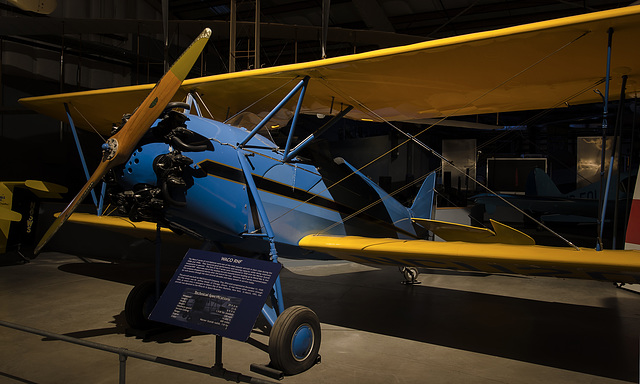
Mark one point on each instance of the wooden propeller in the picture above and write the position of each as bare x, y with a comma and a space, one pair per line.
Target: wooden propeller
120, 146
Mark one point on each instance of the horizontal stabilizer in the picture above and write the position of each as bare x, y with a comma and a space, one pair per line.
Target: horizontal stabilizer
45, 187
9, 215
501, 233
41, 189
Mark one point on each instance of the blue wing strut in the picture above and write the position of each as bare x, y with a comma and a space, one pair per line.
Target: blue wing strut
277, 300
84, 163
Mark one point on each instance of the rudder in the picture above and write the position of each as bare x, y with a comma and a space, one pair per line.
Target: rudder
424, 203
632, 239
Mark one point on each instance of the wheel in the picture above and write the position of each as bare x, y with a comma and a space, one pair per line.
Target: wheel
410, 275
140, 303
295, 340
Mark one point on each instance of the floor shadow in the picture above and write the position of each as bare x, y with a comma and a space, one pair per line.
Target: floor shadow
16, 379
123, 272
579, 338
591, 340
161, 334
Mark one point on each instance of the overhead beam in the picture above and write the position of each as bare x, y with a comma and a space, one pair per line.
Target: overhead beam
373, 15
326, 11
232, 37
256, 39
26, 26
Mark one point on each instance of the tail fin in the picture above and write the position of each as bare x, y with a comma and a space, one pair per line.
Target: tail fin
540, 184
424, 202
632, 240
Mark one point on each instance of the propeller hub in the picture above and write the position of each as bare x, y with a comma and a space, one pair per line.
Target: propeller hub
109, 149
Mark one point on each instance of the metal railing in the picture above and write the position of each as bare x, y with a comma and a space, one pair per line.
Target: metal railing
216, 371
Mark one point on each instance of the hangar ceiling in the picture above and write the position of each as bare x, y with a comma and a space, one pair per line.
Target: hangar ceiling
397, 21
290, 29
430, 19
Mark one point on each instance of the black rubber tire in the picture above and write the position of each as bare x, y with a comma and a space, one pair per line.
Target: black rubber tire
281, 339
140, 303
177, 104
411, 274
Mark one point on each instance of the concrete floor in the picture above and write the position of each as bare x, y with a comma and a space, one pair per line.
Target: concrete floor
453, 328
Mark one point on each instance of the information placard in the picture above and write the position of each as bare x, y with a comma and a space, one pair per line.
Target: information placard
217, 293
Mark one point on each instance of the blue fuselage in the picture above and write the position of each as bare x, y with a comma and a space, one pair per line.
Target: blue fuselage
299, 198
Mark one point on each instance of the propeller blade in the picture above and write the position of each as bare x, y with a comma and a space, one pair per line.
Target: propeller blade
120, 146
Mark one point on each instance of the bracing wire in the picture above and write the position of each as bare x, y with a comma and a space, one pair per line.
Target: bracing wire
441, 157
539, 115
87, 121
418, 142
262, 98
203, 103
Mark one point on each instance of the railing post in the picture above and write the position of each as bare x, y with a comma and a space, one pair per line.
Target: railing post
123, 368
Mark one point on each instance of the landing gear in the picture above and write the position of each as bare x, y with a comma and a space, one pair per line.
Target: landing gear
139, 305
295, 340
410, 275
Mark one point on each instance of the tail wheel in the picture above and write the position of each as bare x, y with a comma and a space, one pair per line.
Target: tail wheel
410, 275
295, 340
140, 303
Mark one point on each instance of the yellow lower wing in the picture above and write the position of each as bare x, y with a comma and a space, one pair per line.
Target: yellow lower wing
532, 260
118, 224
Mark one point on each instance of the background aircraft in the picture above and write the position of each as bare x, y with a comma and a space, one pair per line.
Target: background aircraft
574, 213
236, 189
44, 7
19, 207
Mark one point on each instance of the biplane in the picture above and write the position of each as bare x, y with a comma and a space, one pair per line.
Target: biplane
197, 157
19, 207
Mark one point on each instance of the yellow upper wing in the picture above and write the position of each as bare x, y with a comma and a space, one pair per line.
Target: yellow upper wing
532, 66
534, 260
